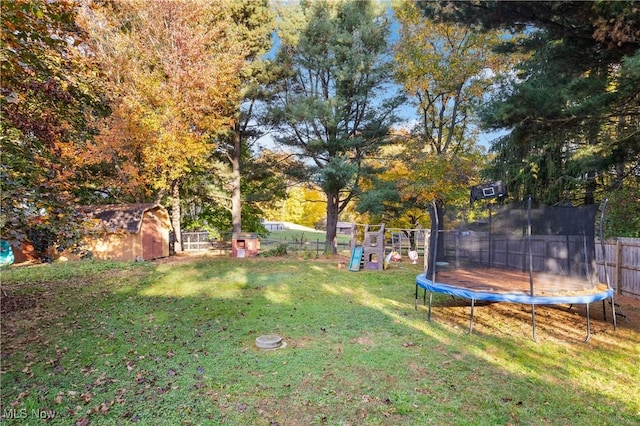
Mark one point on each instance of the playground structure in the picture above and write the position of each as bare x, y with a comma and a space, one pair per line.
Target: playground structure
375, 246
370, 253
530, 255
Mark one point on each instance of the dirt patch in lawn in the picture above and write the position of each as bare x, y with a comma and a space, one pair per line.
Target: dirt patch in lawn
12, 302
558, 322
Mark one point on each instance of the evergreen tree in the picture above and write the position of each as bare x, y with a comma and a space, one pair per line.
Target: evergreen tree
573, 105
330, 108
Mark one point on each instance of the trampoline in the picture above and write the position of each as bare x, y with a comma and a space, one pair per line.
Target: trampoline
513, 263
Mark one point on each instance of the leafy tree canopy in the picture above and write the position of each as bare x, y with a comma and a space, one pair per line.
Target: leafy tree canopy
49, 99
172, 71
330, 108
573, 106
446, 70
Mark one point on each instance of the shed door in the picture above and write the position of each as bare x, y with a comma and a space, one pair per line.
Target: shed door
152, 237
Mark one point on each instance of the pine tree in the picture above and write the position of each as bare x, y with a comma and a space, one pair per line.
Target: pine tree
330, 107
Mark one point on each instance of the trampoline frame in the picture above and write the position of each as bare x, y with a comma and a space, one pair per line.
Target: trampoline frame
522, 298
432, 285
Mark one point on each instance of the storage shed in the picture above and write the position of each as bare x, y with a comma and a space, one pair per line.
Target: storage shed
129, 232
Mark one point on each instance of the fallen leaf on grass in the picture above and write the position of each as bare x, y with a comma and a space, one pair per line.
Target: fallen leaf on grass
102, 408
386, 414
165, 389
103, 379
87, 370
140, 378
21, 395
27, 370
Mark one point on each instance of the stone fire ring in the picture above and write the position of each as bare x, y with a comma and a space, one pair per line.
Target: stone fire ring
270, 341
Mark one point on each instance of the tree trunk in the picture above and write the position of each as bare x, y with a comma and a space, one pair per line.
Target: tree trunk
236, 201
176, 215
412, 240
331, 244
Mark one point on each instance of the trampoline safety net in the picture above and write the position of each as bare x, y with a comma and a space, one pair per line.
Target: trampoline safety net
522, 236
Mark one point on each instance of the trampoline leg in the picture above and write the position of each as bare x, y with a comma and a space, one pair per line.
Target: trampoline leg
415, 302
616, 312
424, 297
613, 313
429, 311
604, 310
586, 339
473, 302
533, 322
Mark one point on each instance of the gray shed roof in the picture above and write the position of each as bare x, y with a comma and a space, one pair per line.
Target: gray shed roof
120, 217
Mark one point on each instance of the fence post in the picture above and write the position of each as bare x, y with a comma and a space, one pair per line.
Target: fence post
618, 261
457, 250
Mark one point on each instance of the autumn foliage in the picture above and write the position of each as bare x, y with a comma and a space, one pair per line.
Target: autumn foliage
172, 72
50, 98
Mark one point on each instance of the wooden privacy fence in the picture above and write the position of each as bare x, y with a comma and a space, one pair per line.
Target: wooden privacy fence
559, 254
622, 260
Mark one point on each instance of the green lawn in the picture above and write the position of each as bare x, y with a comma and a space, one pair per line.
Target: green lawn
169, 343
